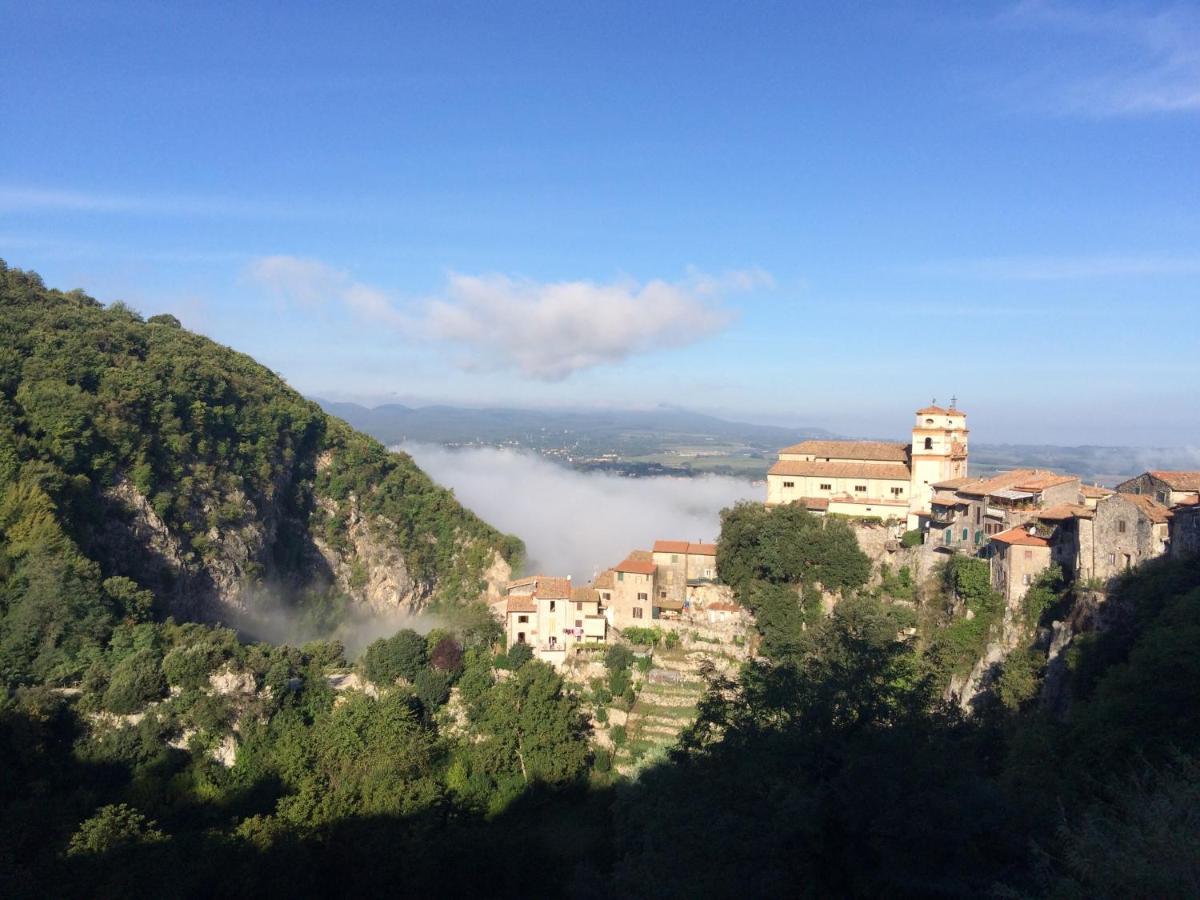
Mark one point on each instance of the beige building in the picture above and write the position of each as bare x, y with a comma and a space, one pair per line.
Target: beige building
632, 591
873, 479
680, 565
1019, 556
551, 616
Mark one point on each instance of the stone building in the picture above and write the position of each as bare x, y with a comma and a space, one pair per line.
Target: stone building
1168, 488
633, 588
1019, 556
678, 566
551, 616
1185, 529
873, 479
966, 512
1101, 542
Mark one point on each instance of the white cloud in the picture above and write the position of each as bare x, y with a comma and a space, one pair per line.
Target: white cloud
551, 330
1136, 62
578, 523
544, 330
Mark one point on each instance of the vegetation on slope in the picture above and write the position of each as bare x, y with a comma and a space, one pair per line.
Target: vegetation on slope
242, 472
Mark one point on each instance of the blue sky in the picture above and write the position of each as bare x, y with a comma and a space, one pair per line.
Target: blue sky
822, 214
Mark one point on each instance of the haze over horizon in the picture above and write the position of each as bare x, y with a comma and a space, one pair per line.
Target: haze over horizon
795, 217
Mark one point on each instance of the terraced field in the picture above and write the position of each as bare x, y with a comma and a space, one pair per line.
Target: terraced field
666, 704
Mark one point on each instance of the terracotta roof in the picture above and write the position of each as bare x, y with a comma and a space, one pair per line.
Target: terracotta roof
636, 566
953, 484
948, 500
665, 603
670, 546
702, 549
1002, 481
523, 582
877, 451
1043, 481
1179, 481
1064, 511
841, 470
1151, 508
553, 588
813, 502
641, 555
604, 581
932, 411
584, 595
520, 604
1094, 491
1021, 537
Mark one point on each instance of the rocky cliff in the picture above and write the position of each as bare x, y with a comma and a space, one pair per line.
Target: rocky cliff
203, 477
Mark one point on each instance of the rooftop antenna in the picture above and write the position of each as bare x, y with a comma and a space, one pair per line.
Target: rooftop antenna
933, 402
953, 402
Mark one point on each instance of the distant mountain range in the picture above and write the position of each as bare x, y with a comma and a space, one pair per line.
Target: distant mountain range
671, 441
617, 431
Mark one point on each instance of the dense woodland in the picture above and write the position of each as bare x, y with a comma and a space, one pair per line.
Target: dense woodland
830, 766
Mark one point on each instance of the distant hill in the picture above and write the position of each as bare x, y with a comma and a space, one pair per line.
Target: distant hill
625, 432
669, 438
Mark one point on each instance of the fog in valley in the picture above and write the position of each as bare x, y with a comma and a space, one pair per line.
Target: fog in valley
578, 523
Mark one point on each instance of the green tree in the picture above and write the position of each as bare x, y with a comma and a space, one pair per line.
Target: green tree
113, 827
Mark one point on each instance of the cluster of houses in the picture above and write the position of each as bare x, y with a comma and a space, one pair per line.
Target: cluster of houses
674, 581
1024, 520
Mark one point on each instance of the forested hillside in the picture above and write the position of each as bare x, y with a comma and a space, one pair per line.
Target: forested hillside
146, 470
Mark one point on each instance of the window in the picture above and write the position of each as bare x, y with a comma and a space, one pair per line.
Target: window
785, 484
928, 443
966, 533
1028, 579
1120, 526
1029, 554
662, 594
607, 596
1112, 559
675, 556
522, 620
552, 602
860, 489
520, 637
637, 612
929, 421
1162, 497
578, 606
978, 514
827, 487
579, 623
620, 576
642, 598
896, 492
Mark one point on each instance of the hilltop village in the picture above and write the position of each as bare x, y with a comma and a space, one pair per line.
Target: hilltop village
919, 493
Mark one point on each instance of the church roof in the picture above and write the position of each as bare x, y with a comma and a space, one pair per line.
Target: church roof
895, 472
874, 451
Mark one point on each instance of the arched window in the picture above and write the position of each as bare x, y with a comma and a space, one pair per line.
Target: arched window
928, 443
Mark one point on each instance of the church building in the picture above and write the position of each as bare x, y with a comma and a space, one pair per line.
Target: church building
889, 481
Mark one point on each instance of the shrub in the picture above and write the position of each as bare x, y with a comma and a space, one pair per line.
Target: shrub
618, 657
447, 656
602, 761
518, 655
628, 697
644, 664
403, 654
618, 681
911, 538
432, 688
112, 828
671, 640
643, 637
136, 680
617, 733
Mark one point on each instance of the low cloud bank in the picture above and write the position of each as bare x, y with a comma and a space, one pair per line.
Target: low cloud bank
577, 523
